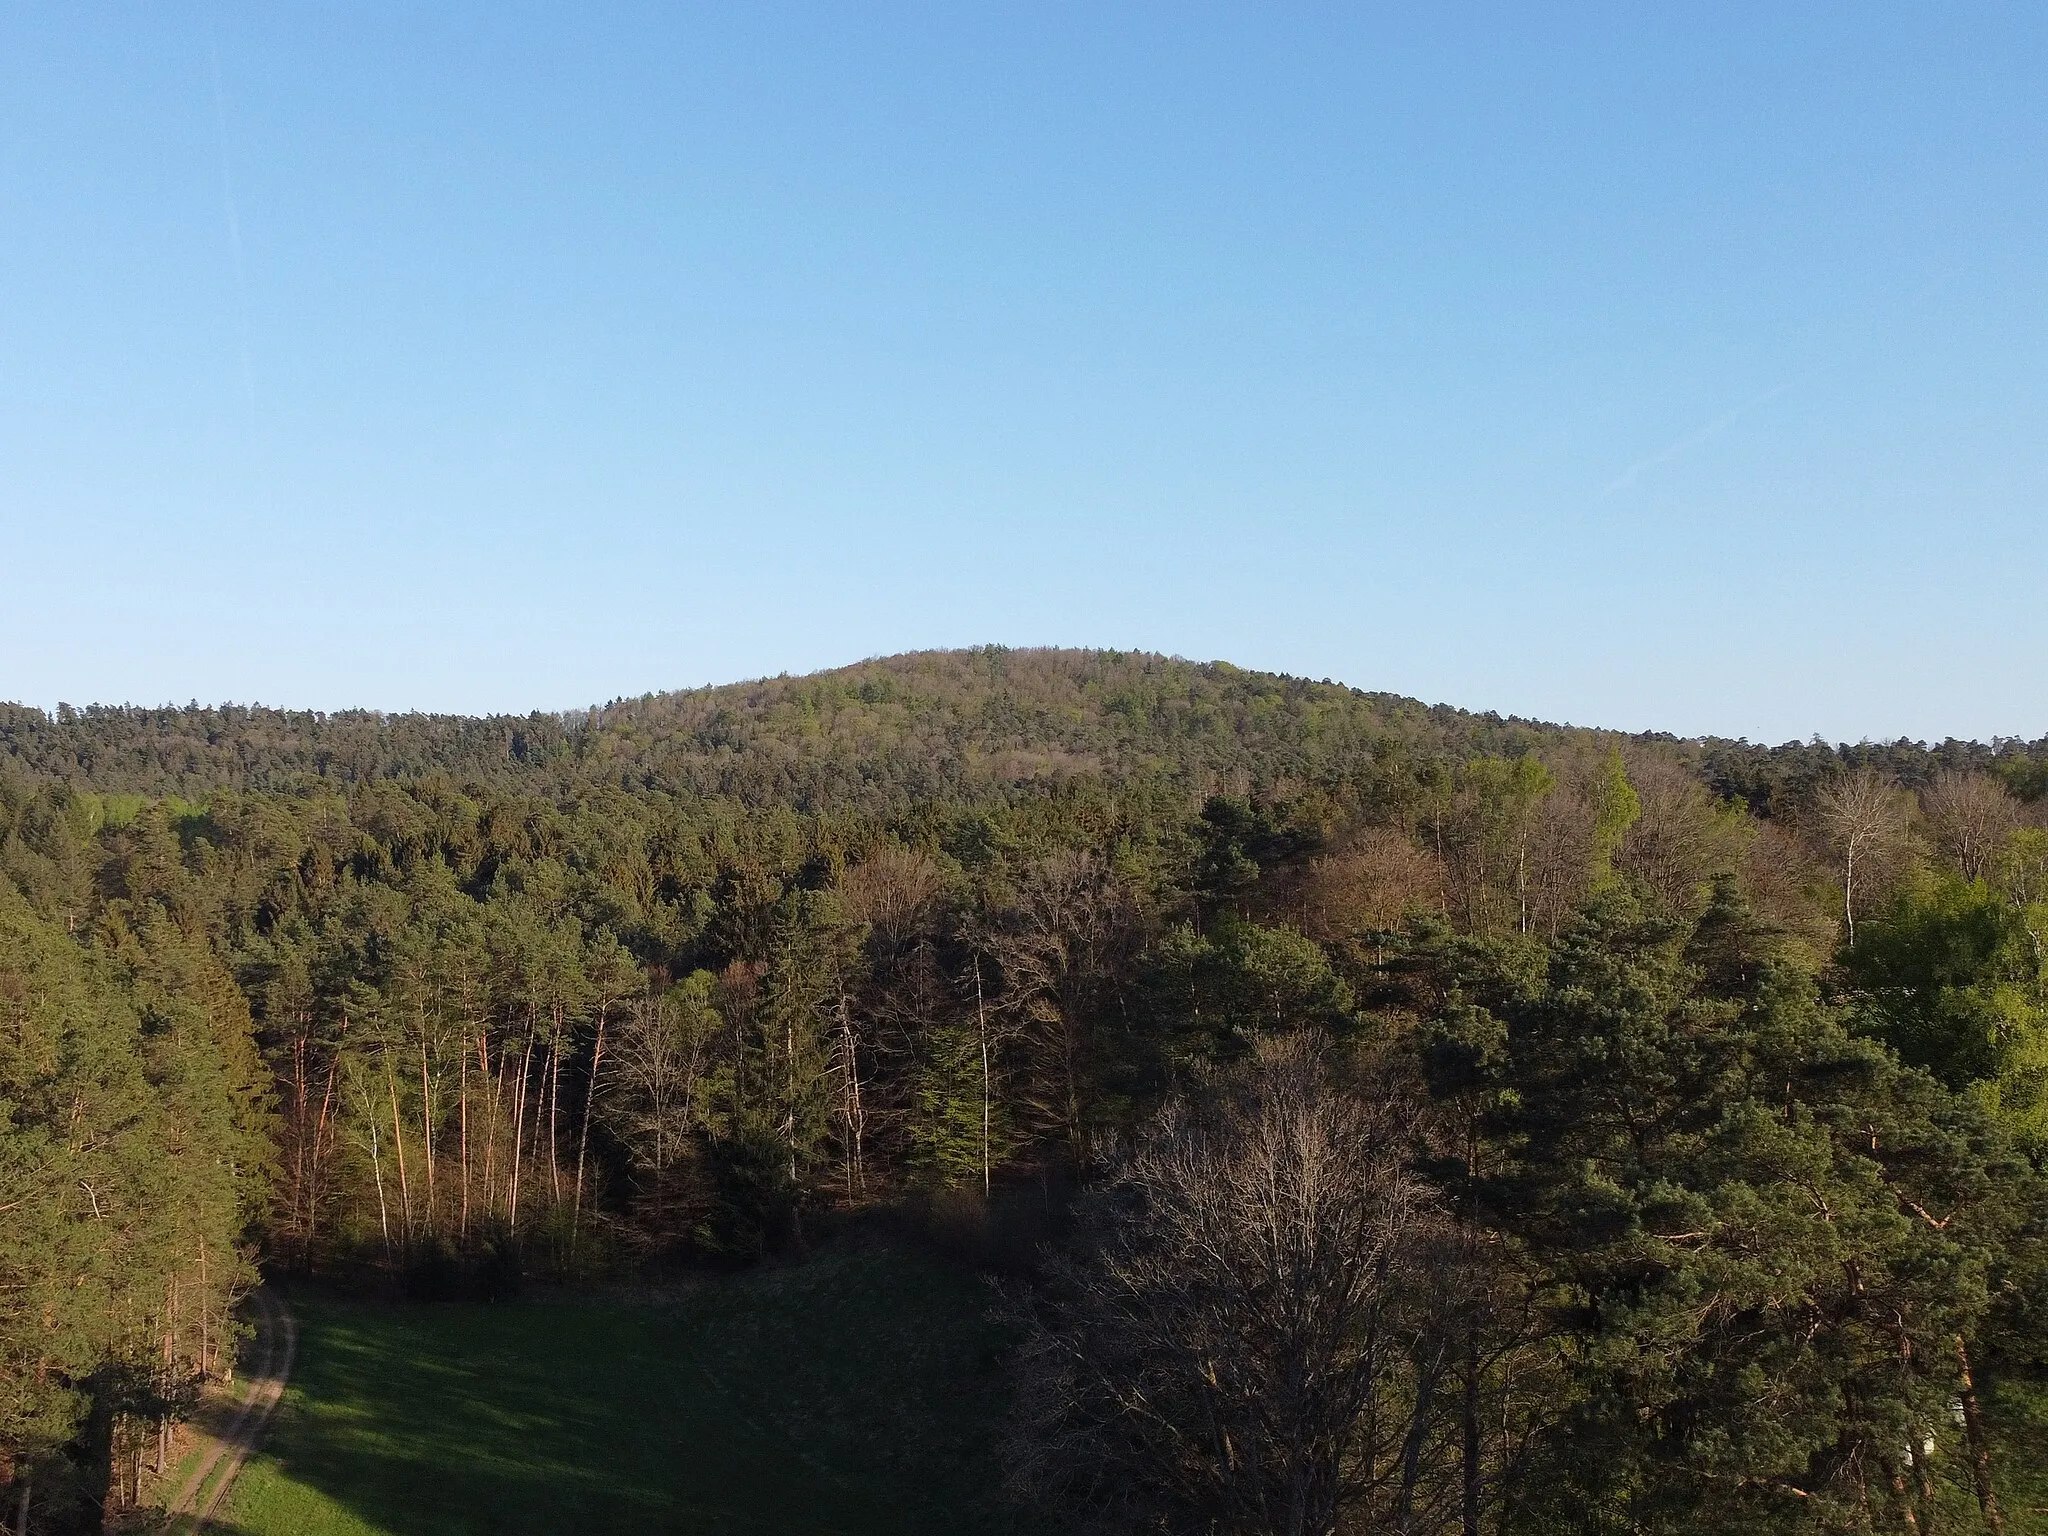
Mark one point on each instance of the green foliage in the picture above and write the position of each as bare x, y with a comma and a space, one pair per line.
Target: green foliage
2025, 774
980, 725
1240, 841
1483, 818
2023, 868
132, 1148
1951, 975
1214, 993
78, 1122
1731, 1196
1616, 807
961, 1127
440, 1002
778, 1116
2018, 1411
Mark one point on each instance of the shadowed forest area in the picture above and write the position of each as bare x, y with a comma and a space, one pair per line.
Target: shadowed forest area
1370, 1116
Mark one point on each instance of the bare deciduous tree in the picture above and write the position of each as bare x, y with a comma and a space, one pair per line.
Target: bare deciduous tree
655, 1101
1861, 816
1970, 816
1367, 884
892, 891
1683, 838
1263, 1328
1062, 944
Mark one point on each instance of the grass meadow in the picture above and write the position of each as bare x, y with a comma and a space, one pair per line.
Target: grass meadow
851, 1396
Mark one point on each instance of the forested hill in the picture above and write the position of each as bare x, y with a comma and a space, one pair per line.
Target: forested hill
424, 1003
951, 725
927, 723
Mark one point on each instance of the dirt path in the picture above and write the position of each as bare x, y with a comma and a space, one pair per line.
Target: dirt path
269, 1368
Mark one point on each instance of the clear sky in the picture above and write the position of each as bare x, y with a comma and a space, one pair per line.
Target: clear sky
1677, 366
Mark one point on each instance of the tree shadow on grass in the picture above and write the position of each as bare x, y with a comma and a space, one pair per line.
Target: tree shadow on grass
511, 1419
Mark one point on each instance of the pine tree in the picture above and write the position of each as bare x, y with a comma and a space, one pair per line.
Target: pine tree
1769, 1243
133, 1153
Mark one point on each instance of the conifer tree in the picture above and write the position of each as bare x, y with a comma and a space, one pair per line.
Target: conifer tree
1772, 1244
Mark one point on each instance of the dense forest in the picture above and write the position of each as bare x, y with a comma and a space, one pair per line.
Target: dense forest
1387, 1117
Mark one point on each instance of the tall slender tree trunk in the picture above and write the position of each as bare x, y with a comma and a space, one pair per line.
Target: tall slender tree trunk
1070, 1049
1980, 1450
981, 1029
1412, 1442
318, 1181
383, 1211
789, 1087
851, 1110
298, 1128
171, 1329
163, 1422
427, 1129
464, 1092
1902, 1496
519, 1129
1849, 894
583, 1134
1473, 1446
554, 1108
398, 1142
483, 1056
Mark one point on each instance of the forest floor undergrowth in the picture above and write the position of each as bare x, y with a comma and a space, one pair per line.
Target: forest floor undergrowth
853, 1394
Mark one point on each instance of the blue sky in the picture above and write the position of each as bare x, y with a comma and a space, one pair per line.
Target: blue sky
1680, 367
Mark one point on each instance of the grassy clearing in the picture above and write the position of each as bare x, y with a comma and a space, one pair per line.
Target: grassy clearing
851, 1395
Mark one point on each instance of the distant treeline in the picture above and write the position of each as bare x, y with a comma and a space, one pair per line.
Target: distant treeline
941, 723
428, 1003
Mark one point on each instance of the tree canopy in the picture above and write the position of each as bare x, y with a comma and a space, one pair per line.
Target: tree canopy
1710, 1054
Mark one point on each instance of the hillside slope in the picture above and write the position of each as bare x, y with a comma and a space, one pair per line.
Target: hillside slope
959, 726
934, 718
